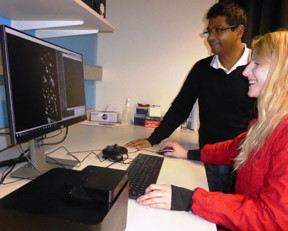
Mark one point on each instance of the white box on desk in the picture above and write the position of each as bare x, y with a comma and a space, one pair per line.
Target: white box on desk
155, 111
107, 116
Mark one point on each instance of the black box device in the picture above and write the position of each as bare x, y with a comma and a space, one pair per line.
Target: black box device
63, 199
96, 184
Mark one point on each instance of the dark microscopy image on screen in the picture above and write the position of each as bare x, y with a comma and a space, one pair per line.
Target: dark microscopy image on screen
49, 86
35, 78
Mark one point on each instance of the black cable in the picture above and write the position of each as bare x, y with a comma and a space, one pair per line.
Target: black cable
10, 162
49, 137
7, 171
14, 181
90, 153
72, 155
111, 164
123, 161
10, 146
68, 153
59, 142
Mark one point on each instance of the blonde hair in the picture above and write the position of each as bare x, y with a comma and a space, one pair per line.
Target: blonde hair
272, 102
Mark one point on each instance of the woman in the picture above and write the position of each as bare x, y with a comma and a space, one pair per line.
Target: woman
260, 156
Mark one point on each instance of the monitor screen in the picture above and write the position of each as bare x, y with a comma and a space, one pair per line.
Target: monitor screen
44, 85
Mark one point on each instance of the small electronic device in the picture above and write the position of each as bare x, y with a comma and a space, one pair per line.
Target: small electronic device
114, 152
96, 184
44, 85
163, 151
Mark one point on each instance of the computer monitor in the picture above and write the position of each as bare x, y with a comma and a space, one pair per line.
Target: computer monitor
44, 85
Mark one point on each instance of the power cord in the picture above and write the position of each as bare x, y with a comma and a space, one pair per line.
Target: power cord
8, 170
59, 142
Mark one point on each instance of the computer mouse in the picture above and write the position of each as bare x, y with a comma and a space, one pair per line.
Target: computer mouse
114, 152
167, 149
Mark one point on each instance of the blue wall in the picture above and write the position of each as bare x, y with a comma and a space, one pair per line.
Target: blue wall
5, 21
3, 110
84, 44
87, 46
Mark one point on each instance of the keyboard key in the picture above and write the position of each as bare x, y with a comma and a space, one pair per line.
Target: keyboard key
143, 171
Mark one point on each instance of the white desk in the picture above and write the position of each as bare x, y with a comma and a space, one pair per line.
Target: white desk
179, 172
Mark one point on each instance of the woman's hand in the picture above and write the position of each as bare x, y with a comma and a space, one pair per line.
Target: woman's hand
178, 152
157, 196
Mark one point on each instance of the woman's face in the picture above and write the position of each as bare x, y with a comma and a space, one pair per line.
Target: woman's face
256, 72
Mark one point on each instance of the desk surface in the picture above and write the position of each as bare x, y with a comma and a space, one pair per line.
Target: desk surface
179, 172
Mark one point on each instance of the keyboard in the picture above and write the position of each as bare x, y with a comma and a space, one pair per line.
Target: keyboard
142, 172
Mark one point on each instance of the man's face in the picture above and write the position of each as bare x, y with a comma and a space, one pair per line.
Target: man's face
221, 41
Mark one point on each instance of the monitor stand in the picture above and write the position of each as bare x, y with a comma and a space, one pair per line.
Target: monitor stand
40, 163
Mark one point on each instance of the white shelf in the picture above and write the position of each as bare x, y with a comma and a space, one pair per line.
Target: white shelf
52, 18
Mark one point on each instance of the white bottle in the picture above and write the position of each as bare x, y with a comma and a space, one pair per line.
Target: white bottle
126, 114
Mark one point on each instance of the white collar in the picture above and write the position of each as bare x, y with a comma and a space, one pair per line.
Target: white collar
245, 59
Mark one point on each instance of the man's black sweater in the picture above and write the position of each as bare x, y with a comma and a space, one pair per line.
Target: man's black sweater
224, 107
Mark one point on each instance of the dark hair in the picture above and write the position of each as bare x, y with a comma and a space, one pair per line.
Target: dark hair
235, 15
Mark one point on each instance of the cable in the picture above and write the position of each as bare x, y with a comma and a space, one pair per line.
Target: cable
10, 146
8, 170
11, 182
72, 154
123, 161
59, 142
29, 160
49, 137
111, 164
91, 152
68, 153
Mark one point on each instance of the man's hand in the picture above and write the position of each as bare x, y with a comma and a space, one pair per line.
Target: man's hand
140, 143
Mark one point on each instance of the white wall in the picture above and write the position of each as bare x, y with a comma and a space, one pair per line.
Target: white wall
155, 44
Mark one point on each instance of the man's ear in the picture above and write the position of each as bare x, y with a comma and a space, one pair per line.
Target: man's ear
240, 30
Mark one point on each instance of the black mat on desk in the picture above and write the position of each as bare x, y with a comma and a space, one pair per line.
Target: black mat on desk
45, 197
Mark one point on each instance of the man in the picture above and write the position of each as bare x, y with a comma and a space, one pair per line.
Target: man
218, 84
